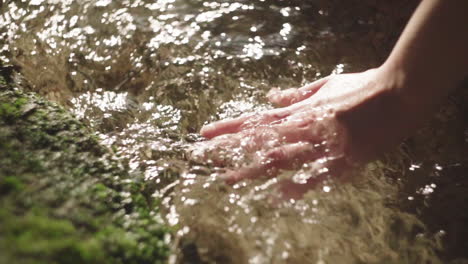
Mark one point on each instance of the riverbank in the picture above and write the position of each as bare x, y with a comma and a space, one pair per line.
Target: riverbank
65, 198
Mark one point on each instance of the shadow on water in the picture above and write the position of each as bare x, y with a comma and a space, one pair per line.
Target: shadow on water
148, 74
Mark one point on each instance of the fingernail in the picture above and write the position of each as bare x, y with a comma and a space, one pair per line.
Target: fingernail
273, 97
206, 129
273, 91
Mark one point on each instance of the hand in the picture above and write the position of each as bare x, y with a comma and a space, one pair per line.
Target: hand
324, 129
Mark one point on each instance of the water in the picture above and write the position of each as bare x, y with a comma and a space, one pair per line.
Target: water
148, 74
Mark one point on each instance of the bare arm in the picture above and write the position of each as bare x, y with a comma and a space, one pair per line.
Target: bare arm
431, 56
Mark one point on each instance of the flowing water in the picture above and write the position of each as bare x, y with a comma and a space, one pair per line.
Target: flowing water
148, 74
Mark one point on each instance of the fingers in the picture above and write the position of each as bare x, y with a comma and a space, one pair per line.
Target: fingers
284, 98
221, 150
230, 149
228, 126
225, 150
293, 95
244, 122
268, 163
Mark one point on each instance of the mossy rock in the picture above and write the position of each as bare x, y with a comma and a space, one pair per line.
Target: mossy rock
64, 198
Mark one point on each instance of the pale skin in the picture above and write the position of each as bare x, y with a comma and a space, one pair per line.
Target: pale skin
343, 121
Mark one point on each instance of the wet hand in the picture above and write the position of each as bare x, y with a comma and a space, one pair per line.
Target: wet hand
323, 130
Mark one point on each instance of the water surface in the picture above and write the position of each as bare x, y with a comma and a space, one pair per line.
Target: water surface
148, 74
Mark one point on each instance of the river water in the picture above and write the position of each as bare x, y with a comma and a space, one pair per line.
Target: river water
148, 74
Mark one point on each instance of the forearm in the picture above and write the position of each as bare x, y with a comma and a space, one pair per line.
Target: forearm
431, 56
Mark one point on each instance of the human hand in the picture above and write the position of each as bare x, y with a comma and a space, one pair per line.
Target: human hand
324, 129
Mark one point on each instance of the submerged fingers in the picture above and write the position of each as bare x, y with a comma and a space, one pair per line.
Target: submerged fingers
228, 126
291, 96
236, 125
230, 149
265, 118
268, 163
263, 144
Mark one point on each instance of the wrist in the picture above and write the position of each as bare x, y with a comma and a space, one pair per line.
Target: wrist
412, 92
419, 88
397, 80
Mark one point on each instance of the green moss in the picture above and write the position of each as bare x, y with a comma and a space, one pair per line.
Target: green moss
9, 184
8, 112
101, 190
20, 102
64, 198
3, 82
38, 238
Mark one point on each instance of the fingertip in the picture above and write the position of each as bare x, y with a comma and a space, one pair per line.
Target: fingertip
311, 88
284, 98
193, 153
273, 91
207, 131
231, 177
274, 95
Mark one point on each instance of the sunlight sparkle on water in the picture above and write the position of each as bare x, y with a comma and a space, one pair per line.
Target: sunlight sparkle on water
146, 74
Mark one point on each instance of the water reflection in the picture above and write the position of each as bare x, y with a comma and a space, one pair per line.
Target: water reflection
147, 75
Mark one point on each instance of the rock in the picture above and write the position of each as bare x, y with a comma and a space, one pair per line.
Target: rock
64, 198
